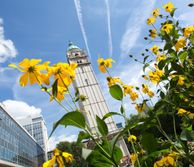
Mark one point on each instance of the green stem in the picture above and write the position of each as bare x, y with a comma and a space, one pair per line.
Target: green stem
133, 147
50, 94
174, 126
68, 91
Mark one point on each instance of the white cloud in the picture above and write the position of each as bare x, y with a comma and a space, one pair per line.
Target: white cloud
54, 140
135, 25
7, 48
187, 18
20, 109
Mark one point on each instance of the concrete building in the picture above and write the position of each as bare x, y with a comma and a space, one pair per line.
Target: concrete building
87, 85
17, 147
35, 125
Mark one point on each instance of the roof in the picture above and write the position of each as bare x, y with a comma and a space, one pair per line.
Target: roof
72, 46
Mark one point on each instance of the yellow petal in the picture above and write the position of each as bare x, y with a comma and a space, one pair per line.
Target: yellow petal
60, 161
32, 78
50, 163
24, 79
33, 62
12, 65
25, 63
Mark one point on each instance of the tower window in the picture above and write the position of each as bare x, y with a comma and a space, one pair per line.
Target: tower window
86, 80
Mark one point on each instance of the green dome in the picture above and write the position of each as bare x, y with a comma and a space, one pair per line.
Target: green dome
72, 46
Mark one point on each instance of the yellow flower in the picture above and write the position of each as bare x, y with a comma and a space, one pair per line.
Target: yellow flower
145, 77
31, 69
150, 93
188, 30
133, 96
190, 115
165, 161
132, 138
154, 49
153, 33
167, 28
103, 64
155, 76
156, 12
68, 157
133, 158
169, 7
160, 58
145, 88
140, 107
181, 80
113, 80
65, 73
127, 89
182, 111
57, 156
60, 94
151, 20
180, 44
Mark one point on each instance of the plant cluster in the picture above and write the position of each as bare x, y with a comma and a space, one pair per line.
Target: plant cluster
168, 68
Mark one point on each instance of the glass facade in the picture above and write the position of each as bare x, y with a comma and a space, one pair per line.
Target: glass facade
16, 145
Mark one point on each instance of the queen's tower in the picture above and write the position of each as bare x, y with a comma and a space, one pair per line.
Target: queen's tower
86, 83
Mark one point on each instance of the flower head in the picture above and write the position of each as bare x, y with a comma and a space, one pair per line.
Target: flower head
182, 111
104, 63
156, 12
113, 80
188, 31
127, 89
31, 69
180, 44
145, 88
151, 20
57, 157
140, 107
133, 96
161, 57
153, 33
154, 49
169, 7
181, 80
167, 28
133, 158
132, 138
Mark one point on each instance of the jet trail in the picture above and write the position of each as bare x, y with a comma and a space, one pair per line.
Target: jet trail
79, 15
109, 29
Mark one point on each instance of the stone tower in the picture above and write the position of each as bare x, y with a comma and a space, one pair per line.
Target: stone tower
86, 83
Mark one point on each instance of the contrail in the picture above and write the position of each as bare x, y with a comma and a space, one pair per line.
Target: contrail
109, 28
79, 15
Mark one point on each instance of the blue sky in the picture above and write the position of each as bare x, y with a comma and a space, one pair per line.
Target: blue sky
42, 29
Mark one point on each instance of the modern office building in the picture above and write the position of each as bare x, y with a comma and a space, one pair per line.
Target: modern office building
87, 84
17, 147
35, 125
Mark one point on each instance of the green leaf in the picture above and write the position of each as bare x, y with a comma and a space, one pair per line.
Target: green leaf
102, 127
74, 118
110, 114
82, 135
116, 92
117, 154
55, 88
149, 142
182, 56
172, 12
192, 38
122, 109
98, 159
